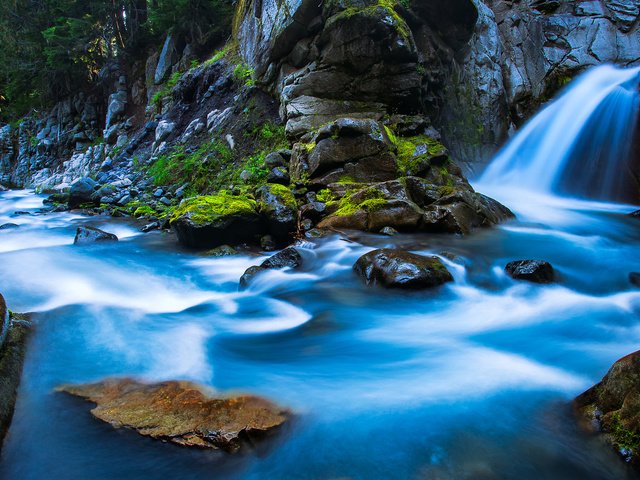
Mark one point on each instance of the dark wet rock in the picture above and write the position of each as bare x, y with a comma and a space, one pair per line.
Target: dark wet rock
287, 258
82, 191
399, 269
389, 231
13, 337
86, 235
635, 214
634, 278
214, 220
279, 175
9, 226
279, 207
221, 251
612, 407
182, 412
537, 271
150, 227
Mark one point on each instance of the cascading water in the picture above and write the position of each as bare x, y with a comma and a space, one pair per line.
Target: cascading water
578, 146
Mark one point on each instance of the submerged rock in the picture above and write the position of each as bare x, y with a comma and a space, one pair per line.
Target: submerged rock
399, 269
86, 235
9, 226
181, 412
214, 220
634, 278
289, 257
536, 271
612, 407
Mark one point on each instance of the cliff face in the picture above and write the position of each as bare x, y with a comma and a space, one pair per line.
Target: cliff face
476, 68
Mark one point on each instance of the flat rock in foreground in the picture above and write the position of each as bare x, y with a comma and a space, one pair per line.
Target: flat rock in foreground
181, 412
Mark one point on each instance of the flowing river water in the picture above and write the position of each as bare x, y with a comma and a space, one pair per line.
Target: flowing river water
470, 381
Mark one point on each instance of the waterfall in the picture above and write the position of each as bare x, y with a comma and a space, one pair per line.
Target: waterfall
578, 146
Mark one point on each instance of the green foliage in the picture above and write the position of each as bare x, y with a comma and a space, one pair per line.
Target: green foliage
243, 74
352, 203
52, 48
166, 88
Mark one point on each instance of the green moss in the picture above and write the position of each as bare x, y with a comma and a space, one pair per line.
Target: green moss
325, 196
374, 200
166, 88
408, 162
284, 194
209, 208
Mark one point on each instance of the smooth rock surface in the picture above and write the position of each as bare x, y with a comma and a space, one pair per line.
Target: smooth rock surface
399, 269
87, 235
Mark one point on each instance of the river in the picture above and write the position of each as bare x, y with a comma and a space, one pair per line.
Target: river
473, 380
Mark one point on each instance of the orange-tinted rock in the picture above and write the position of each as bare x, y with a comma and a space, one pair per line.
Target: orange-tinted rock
181, 412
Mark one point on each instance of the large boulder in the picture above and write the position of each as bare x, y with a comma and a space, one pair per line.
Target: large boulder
287, 258
399, 269
536, 271
214, 220
182, 412
612, 407
87, 235
81, 192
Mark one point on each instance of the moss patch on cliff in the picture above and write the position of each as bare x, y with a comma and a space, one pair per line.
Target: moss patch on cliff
349, 204
384, 10
284, 194
209, 208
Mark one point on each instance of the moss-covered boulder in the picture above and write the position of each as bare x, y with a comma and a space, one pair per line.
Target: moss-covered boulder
279, 207
399, 269
612, 408
213, 220
182, 413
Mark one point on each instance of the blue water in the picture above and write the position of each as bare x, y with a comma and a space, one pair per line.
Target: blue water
471, 381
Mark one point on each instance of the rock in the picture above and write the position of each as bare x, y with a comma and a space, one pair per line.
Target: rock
13, 336
279, 175
634, 277
9, 226
399, 269
150, 227
211, 221
221, 251
86, 235
279, 207
635, 214
287, 258
612, 407
182, 413
537, 271
163, 130
168, 57
82, 192
389, 231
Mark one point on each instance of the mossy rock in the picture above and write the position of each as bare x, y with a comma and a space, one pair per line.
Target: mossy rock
213, 220
612, 408
279, 207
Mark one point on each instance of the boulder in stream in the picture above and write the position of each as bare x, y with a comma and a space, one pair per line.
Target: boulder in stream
536, 271
86, 235
399, 269
612, 407
287, 258
634, 279
182, 412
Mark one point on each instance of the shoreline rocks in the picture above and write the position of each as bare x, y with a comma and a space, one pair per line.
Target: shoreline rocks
399, 269
289, 257
182, 412
12, 350
611, 408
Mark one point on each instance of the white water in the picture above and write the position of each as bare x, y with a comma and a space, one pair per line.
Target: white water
578, 146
